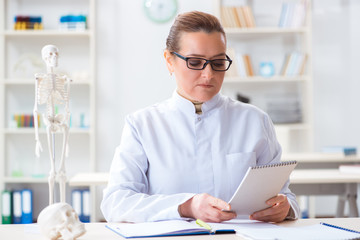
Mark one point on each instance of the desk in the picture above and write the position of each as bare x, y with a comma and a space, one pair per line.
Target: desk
302, 182
318, 157
328, 182
96, 231
325, 182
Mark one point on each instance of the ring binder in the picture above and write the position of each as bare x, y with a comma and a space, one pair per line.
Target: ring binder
275, 164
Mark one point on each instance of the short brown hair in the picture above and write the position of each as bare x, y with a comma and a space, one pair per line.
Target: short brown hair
194, 21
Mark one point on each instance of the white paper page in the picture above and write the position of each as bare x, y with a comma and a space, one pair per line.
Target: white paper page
312, 232
154, 228
236, 224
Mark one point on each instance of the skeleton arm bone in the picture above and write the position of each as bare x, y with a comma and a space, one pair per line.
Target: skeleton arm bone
38, 147
67, 111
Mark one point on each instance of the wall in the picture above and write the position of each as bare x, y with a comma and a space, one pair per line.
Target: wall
336, 53
131, 69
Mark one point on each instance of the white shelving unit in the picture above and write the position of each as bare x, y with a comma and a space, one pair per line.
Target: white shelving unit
78, 61
272, 43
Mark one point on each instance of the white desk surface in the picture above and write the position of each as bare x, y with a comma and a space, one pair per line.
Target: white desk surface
316, 176
301, 176
318, 157
96, 231
89, 179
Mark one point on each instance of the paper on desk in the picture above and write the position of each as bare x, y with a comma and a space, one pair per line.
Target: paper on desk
243, 223
312, 232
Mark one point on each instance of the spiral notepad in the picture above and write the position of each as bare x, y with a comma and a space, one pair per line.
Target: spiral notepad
259, 184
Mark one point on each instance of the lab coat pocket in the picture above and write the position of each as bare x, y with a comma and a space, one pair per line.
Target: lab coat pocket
237, 166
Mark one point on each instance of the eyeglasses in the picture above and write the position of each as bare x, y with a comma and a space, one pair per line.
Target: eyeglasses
196, 63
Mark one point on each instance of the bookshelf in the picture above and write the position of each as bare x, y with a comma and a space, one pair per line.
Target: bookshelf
17, 88
272, 38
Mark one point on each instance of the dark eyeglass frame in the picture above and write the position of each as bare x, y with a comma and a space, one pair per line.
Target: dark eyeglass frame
206, 62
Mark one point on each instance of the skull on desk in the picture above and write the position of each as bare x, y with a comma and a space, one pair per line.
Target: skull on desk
60, 220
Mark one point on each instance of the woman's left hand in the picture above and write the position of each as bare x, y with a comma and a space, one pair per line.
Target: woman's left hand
277, 212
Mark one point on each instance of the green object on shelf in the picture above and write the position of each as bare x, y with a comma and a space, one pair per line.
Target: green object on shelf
17, 173
38, 175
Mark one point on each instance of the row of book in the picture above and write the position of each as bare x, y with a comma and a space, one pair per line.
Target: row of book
242, 65
293, 15
73, 22
294, 64
237, 17
25, 120
17, 205
28, 22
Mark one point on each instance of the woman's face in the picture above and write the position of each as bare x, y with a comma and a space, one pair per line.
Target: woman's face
198, 85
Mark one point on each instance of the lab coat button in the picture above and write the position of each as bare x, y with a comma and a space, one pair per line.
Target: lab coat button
199, 119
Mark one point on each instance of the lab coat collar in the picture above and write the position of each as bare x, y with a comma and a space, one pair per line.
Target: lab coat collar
188, 107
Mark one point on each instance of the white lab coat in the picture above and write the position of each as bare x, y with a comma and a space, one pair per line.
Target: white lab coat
168, 153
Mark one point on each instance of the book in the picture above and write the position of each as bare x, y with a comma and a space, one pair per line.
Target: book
17, 208
6, 201
258, 185
232, 72
26, 206
350, 168
165, 228
248, 65
241, 17
347, 151
85, 204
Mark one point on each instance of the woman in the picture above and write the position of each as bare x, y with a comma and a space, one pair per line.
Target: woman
185, 157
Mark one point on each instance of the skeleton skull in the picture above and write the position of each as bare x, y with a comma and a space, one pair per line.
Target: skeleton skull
60, 220
50, 54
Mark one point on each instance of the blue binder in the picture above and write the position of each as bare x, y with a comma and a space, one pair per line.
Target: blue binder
80, 200
27, 208
85, 197
76, 201
17, 209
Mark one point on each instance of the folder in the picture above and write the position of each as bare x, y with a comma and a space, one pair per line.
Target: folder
81, 203
17, 210
85, 216
6, 203
76, 201
167, 228
27, 208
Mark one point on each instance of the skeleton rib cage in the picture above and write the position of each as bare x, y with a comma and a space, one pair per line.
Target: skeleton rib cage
54, 89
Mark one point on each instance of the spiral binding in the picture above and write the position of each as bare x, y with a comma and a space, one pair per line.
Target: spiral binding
275, 165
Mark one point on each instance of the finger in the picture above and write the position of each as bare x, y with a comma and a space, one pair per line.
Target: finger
270, 218
225, 216
215, 215
219, 204
277, 199
280, 207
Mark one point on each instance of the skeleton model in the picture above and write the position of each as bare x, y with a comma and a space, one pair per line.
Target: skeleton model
53, 89
59, 219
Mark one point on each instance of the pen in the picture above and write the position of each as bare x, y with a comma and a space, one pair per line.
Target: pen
341, 228
203, 224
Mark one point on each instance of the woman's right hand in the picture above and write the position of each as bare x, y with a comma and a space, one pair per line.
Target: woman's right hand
207, 208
